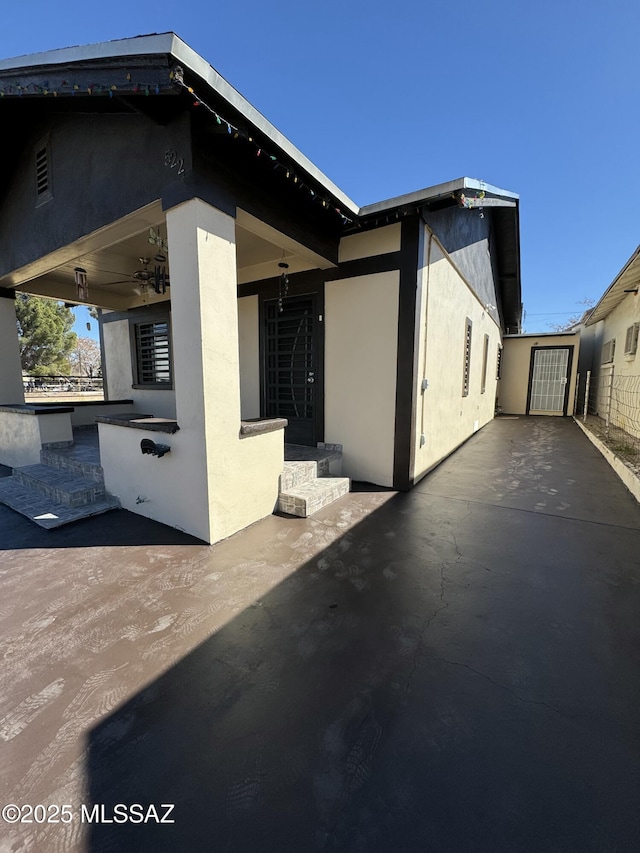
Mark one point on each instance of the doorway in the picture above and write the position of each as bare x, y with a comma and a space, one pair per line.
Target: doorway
549, 376
292, 379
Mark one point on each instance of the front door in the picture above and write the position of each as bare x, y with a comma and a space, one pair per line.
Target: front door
292, 387
549, 380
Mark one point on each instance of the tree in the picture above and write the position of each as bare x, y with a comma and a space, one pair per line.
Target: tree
575, 318
85, 358
44, 331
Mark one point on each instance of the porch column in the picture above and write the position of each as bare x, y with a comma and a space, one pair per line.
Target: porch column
206, 369
11, 387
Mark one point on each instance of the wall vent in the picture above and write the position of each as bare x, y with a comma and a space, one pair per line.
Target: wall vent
631, 340
466, 369
43, 172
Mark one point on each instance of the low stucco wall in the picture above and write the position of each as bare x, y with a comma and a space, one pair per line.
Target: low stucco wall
23, 434
86, 415
516, 364
167, 490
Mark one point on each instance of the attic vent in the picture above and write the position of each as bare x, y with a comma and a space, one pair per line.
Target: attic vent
43, 173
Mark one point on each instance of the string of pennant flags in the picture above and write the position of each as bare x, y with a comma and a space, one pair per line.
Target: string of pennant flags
237, 133
65, 87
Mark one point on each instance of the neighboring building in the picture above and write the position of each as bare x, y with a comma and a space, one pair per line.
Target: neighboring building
238, 287
538, 373
610, 351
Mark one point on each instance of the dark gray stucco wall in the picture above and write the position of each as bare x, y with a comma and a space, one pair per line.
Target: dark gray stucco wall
467, 238
102, 167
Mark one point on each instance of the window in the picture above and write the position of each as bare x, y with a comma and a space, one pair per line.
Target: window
485, 357
499, 363
153, 354
44, 190
609, 351
467, 358
631, 340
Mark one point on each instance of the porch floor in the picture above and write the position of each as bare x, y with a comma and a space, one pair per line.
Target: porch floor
454, 668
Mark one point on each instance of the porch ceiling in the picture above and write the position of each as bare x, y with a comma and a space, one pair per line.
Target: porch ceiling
112, 256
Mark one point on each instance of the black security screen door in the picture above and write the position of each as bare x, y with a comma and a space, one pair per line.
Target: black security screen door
291, 385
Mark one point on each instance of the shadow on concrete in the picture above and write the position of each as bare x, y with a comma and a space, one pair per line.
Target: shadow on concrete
446, 675
115, 528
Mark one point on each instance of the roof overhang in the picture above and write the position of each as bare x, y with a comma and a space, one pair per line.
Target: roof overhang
627, 280
166, 50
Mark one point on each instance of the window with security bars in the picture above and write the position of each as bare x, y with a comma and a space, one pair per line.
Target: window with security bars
153, 353
631, 340
609, 351
466, 370
43, 172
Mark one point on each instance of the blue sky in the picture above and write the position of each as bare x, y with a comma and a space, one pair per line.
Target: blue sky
386, 98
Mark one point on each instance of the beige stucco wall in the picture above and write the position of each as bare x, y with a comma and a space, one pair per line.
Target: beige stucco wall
213, 483
624, 410
249, 344
163, 488
615, 325
11, 387
380, 241
361, 337
119, 374
444, 417
516, 364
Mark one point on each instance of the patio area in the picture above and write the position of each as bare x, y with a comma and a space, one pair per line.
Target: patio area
449, 669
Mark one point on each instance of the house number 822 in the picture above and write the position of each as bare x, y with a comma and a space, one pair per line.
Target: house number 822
172, 160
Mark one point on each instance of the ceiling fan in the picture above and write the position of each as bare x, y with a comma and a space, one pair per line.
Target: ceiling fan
158, 278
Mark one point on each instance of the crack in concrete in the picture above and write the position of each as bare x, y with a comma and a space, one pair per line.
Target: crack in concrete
509, 689
424, 630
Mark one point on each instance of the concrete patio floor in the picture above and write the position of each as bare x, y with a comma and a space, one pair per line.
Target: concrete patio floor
452, 669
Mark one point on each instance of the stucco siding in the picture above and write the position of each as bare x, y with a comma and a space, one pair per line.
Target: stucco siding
445, 417
380, 241
361, 338
249, 345
11, 387
466, 237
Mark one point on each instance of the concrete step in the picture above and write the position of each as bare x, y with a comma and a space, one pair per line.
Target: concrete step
305, 499
296, 474
59, 485
45, 512
66, 462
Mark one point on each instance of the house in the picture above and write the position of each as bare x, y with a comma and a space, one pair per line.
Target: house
246, 302
609, 347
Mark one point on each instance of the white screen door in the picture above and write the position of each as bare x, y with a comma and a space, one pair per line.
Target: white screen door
549, 380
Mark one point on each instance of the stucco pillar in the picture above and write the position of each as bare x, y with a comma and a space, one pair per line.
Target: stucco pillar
11, 387
204, 325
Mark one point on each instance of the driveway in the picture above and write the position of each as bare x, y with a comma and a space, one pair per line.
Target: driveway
452, 669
